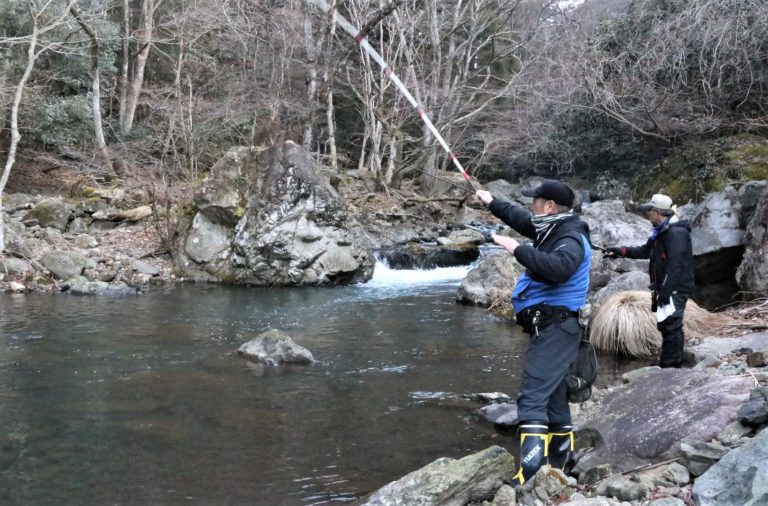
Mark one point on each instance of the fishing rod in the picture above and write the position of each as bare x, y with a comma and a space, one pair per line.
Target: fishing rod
360, 38
472, 191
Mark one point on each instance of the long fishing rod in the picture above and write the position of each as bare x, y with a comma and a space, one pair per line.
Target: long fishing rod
360, 38
446, 181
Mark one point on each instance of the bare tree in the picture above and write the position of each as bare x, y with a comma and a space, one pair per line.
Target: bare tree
686, 69
185, 26
95, 51
125, 59
322, 62
40, 25
134, 82
458, 59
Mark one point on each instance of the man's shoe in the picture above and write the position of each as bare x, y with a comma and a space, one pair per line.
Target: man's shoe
533, 450
560, 446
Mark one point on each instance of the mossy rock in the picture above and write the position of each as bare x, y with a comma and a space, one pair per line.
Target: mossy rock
90, 192
704, 166
505, 313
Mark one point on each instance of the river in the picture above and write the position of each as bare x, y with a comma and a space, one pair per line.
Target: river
144, 400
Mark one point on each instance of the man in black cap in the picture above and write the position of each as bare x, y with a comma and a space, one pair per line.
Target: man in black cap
671, 271
546, 299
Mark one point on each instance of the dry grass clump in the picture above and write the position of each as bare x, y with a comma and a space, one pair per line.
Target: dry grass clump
500, 303
698, 322
625, 325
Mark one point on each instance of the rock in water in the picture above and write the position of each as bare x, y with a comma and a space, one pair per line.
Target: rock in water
266, 218
274, 347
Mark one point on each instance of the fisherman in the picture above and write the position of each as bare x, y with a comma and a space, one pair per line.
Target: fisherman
671, 271
546, 300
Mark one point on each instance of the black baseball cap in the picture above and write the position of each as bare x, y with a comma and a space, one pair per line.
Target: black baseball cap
560, 193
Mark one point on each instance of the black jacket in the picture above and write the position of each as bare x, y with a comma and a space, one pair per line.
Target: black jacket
557, 257
671, 254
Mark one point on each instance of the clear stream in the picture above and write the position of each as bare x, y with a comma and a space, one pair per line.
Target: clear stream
144, 400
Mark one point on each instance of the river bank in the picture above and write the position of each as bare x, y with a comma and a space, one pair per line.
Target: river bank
655, 437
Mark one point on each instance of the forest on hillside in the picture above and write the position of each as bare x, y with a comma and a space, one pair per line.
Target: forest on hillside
516, 87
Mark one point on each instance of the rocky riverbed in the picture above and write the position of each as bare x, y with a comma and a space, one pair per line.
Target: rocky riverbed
658, 437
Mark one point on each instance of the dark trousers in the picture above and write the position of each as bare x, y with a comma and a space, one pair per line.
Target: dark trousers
544, 394
672, 337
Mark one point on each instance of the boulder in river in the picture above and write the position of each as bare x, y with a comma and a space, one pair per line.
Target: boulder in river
275, 347
265, 217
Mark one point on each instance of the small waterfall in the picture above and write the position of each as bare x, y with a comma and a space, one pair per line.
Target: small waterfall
383, 276
386, 277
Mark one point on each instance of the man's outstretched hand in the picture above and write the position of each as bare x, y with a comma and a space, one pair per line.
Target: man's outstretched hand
615, 252
484, 196
505, 242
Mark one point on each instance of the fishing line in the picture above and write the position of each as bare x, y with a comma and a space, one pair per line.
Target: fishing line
360, 38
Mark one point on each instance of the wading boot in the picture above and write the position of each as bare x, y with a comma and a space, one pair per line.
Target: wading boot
560, 447
533, 450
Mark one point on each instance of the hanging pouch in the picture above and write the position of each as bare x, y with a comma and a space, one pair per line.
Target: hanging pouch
583, 371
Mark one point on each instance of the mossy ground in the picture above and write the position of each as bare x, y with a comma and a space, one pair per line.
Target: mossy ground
707, 165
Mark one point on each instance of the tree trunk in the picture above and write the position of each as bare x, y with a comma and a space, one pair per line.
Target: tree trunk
331, 122
329, 107
311, 48
101, 144
126, 55
431, 96
136, 82
15, 135
389, 173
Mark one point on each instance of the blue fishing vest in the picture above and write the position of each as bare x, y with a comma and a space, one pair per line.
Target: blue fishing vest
570, 294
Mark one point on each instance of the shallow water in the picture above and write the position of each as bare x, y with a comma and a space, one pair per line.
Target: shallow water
144, 400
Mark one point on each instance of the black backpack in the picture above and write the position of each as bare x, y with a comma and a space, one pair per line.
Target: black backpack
583, 371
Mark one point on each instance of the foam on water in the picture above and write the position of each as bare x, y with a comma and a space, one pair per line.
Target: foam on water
383, 276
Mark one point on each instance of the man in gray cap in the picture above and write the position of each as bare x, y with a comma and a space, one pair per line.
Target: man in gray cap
671, 271
546, 299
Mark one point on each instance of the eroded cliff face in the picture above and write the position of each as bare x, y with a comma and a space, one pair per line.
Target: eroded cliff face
264, 217
752, 274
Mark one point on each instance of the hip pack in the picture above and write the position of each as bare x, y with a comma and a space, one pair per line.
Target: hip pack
535, 318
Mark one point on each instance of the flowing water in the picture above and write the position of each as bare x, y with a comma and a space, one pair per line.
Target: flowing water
144, 400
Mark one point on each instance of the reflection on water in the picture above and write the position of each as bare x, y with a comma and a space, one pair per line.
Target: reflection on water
143, 400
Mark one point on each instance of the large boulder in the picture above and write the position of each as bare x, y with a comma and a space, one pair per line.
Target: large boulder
494, 276
752, 274
17, 202
739, 478
448, 482
64, 264
80, 285
53, 213
718, 235
12, 265
265, 217
503, 189
611, 225
633, 281
720, 220
644, 421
